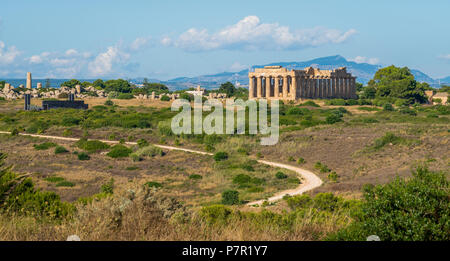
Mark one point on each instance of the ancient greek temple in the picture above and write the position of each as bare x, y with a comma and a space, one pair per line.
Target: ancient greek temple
276, 82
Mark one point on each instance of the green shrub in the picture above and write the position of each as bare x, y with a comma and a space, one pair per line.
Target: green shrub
91, 146
322, 167
164, 128
309, 103
388, 138
333, 176
415, 209
149, 151
108, 187
142, 143
83, 156
230, 197
301, 160
215, 214
295, 111
14, 132
195, 177
300, 201
44, 146
255, 189
153, 184
60, 149
326, 201
130, 168
221, 155
125, 96
65, 183
245, 181
109, 103
388, 107
165, 98
333, 118
24, 199
280, 175
291, 158
119, 151
408, 111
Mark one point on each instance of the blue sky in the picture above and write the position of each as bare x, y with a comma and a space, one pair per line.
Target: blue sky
167, 39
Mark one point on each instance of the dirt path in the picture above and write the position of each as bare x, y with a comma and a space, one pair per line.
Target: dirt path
309, 179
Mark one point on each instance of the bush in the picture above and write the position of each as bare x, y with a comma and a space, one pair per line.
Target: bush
195, 176
221, 155
119, 151
149, 151
215, 214
60, 149
65, 183
388, 107
301, 160
165, 128
24, 199
280, 175
403, 210
109, 103
309, 103
333, 176
44, 146
322, 167
301, 201
91, 146
108, 188
142, 143
388, 138
83, 156
230, 197
165, 98
333, 118
295, 111
407, 110
125, 96
153, 184
245, 181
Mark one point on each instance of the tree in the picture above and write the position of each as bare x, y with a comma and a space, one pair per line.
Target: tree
395, 82
99, 84
227, 88
71, 84
415, 209
119, 85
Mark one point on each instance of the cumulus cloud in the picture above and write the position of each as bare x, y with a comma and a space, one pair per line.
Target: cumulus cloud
250, 34
139, 43
362, 59
8, 54
103, 63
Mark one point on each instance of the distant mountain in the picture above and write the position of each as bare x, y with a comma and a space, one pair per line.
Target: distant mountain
363, 71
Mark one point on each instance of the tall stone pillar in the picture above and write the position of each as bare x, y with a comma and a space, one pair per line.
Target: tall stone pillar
294, 87
28, 80
250, 88
276, 89
354, 88
285, 87
347, 87
268, 83
310, 87
258, 87
325, 88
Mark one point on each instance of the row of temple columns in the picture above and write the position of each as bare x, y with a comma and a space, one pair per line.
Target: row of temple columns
287, 87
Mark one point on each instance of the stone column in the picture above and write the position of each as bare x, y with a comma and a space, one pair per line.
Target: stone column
250, 88
325, 90
347, 87
322, 88
258, 87
339, 88
294, 88
276, 89
354, 88
268, 87
285, 87
310, 87
28, 80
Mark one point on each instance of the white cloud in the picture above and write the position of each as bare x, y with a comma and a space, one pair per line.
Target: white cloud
103, 63
138, 43
250, 34
166, 41
445, 56
362, 59
8, 55
237, 67
71, 52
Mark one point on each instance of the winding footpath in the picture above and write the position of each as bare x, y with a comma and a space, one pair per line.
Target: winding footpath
309, 179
